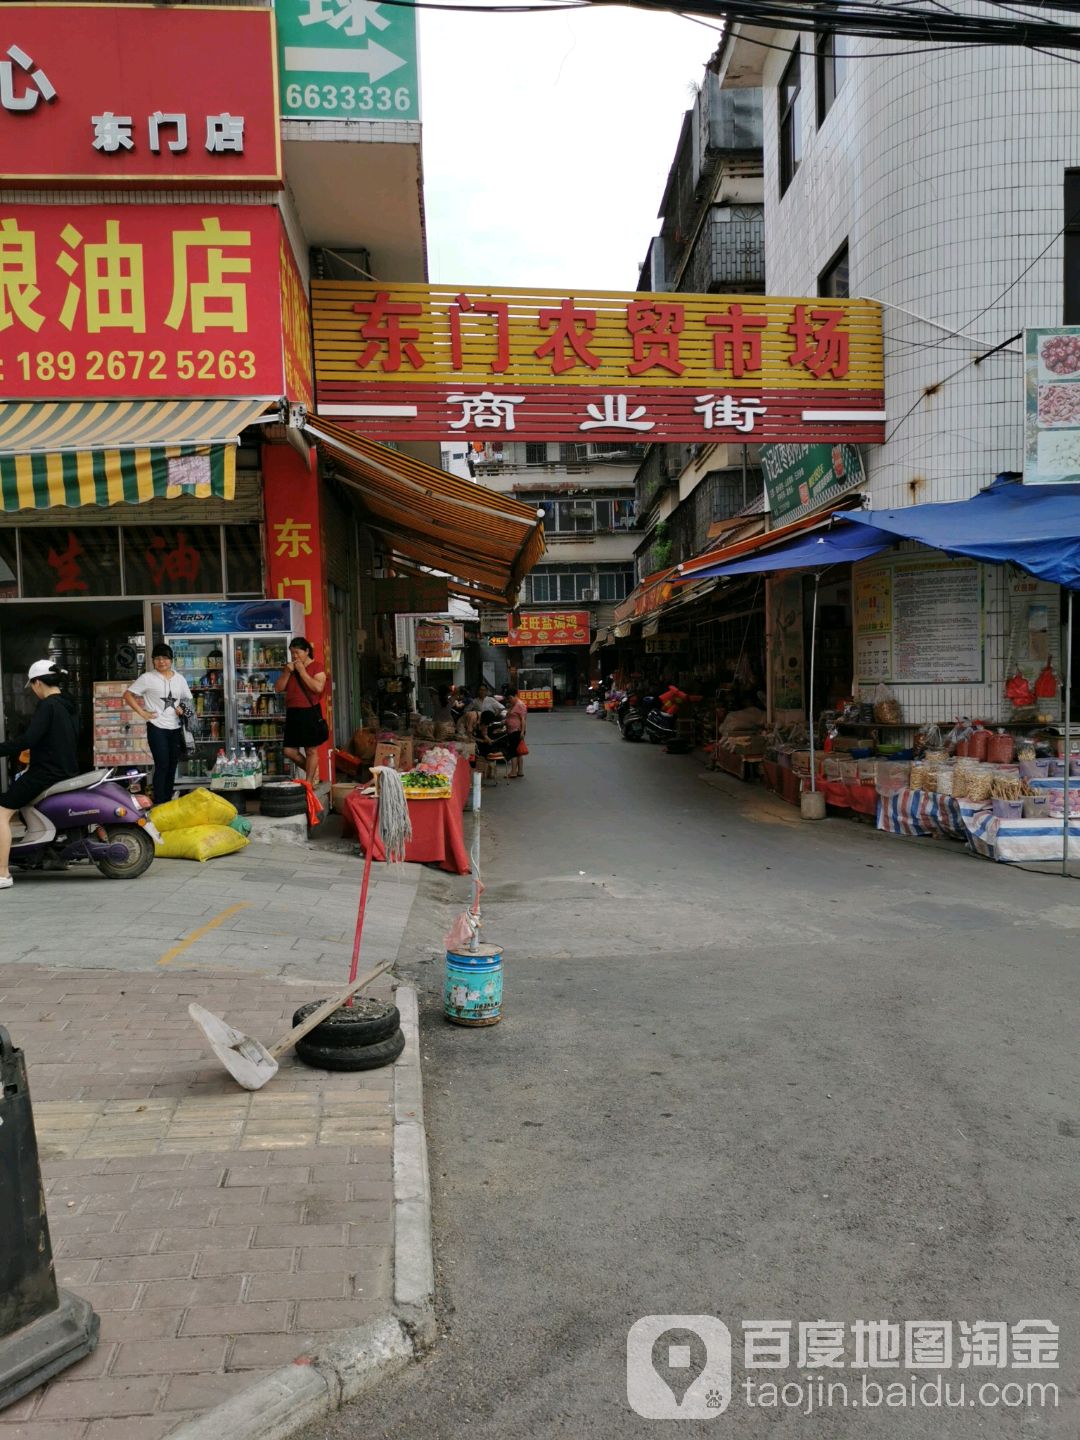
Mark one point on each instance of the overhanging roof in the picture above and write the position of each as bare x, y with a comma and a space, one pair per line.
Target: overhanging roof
486, 542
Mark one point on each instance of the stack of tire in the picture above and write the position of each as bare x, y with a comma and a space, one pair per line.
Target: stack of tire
280, 799
364, 1036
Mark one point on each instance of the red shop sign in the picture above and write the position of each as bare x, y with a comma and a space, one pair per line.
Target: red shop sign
137, 95
137, 301
564, 627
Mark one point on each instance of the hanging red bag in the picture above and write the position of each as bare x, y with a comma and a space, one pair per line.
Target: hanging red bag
1046, 684
1019, 691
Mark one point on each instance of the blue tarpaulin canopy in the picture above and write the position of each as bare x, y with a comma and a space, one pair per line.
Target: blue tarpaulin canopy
842, 545
1035, 526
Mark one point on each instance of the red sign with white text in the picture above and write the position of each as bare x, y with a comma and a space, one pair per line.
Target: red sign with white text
139, 301
137, 95
565, 627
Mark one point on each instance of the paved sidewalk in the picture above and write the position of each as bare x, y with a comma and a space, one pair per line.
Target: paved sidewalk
219, 1233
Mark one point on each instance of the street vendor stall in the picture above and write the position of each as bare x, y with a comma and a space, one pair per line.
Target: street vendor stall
438, 836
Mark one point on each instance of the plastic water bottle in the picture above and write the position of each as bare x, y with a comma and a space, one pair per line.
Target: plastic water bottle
232, 766
219, 763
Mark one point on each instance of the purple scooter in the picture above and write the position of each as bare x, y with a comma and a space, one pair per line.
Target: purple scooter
92, 817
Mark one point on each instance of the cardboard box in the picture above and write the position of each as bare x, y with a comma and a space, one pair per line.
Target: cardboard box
340, 793
397, 754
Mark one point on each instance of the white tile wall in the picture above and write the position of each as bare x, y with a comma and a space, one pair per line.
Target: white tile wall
944, 172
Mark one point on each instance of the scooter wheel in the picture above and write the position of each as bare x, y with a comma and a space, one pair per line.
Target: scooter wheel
140, 855
365, 1023
351, 1057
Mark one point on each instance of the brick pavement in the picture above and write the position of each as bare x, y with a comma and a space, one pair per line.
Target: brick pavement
218, 1233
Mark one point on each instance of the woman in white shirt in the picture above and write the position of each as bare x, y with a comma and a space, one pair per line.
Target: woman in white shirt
155, 696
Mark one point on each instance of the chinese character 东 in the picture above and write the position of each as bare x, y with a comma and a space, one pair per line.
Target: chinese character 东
18, 277
180, 564
741, 415
616, 415
383, 327
69, 579
112, 133
217, 302
350, 15
178, 122
571, 329
225, 132
486, 411
113, 280
293, 540
41, 89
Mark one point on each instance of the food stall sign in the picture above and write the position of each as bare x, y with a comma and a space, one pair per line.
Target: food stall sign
418, 362
1052, 406
799, 479
86, 100
129, 302
564, 627
433, 640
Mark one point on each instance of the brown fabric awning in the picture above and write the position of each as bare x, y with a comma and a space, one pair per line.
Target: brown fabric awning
486, 541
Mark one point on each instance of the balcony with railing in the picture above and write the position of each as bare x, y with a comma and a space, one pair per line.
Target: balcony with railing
730, 252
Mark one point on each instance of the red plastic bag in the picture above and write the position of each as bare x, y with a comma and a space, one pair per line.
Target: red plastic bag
1019, 691
1046, 684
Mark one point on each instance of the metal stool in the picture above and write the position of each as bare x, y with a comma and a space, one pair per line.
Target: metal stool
495, 761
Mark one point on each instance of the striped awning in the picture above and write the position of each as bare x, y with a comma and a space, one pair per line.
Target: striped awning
436, 520
119, 452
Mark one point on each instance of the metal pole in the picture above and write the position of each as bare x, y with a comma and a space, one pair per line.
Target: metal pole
744, 476
813, 653
1068, 735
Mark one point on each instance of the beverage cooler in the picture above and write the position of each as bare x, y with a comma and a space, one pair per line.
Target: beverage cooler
231, 653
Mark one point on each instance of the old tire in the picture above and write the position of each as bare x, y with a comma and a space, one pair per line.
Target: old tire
140, 850
352, 1057
282, 800
368, 1022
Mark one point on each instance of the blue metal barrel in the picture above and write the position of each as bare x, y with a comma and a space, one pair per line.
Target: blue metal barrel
474, 982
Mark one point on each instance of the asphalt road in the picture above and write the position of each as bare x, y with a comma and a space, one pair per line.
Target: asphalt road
750, 1068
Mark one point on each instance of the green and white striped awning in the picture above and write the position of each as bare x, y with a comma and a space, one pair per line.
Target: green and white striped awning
119, 452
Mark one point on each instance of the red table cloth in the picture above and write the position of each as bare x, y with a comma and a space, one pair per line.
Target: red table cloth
438, 826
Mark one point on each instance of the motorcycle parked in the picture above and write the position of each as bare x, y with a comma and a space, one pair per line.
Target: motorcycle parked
93, 817
630, 716
660, 727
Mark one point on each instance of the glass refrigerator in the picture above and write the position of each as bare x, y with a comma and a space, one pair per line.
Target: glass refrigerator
231, 653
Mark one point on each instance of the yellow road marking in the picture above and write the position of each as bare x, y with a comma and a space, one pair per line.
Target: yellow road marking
203, 930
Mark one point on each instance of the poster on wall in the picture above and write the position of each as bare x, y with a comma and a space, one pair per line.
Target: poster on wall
919, 621
800, 478
1052, 406
786, 648
1034, 640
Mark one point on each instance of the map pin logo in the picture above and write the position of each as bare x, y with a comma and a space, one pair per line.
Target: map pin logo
678, 1367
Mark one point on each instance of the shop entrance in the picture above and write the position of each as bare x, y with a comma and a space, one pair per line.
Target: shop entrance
92, 640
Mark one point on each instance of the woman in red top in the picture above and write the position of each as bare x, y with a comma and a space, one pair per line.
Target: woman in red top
303, 681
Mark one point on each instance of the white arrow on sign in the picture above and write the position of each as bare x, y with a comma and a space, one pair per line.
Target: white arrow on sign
372, 60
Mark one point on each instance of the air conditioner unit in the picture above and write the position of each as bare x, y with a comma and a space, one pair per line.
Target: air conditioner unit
589, 595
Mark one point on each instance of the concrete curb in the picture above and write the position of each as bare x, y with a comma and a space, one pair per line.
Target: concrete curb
287, 1399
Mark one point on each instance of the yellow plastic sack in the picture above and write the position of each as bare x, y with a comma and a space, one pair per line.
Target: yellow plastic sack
197, 807
200, 842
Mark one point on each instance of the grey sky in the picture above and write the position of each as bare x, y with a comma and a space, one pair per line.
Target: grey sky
547, 141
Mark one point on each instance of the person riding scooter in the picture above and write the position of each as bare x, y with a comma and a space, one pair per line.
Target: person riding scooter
50, 737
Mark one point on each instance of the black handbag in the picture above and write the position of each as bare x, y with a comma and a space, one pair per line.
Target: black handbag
322, 729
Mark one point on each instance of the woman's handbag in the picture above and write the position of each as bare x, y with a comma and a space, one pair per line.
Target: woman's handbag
322, 729
189, 725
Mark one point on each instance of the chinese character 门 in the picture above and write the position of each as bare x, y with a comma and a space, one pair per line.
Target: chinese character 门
178, 122
40, 89
486, 411
463, 305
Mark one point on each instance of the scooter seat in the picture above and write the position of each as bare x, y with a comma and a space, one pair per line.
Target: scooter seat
77, 782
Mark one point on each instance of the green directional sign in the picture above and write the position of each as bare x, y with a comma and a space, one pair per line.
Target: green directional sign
347, 60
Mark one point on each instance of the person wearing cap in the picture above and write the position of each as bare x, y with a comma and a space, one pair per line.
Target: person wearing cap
51, 739
154, 697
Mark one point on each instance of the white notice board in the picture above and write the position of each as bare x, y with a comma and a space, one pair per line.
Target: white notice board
919, 621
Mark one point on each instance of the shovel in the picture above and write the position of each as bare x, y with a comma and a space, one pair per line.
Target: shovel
250, 1062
